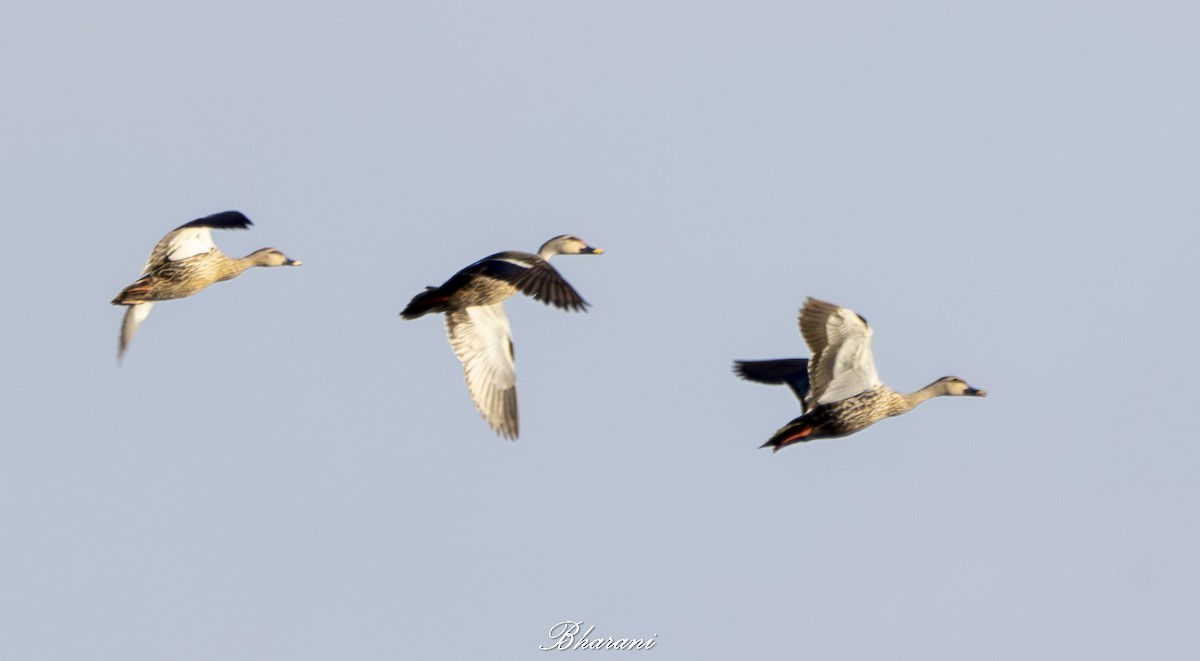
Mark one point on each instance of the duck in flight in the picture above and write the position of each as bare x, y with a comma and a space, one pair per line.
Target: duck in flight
184, 262
472, 301
839, 390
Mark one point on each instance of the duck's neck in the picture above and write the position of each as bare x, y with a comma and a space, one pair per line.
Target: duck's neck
230, 268
547, 252
930, 391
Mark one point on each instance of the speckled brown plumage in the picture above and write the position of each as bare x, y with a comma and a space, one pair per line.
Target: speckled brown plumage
184, 262
842, 394
478, 329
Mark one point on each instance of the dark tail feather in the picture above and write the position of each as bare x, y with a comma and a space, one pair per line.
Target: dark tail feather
796, 431
430, 300
138, 292
792, 371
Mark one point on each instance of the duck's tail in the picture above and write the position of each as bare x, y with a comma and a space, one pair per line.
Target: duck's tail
140, 291
797, 431
430, 300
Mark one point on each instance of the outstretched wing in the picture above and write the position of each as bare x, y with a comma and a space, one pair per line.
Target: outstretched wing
792, 371
532, 276
194, 238
134, 316
482, 341
842, 364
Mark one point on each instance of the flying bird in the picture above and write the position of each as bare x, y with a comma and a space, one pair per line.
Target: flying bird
472, 301
184, 262
839, 390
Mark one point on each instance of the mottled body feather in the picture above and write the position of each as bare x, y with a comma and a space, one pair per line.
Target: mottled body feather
478, 329
842, 393
184, 262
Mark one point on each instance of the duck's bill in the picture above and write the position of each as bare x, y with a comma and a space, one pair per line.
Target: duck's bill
293, 262
976, 392
593, 251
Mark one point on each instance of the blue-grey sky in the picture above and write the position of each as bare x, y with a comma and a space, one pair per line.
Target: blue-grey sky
285, 469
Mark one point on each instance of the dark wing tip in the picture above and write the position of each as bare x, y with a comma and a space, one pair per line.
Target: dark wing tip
781, 370
545, 284
739, 368
224, 220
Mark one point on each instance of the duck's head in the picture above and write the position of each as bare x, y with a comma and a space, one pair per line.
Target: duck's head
271, 257
956, 387
567, 244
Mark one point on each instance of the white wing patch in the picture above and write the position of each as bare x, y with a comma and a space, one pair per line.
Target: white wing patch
514, 261
849, 350
190, 242
482, 340
180, 244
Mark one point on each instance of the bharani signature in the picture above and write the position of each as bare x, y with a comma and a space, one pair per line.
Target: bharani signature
566, 636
